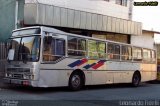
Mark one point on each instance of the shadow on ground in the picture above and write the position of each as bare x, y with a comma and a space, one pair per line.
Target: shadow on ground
36, 90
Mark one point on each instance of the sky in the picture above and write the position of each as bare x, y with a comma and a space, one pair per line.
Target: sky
149, 16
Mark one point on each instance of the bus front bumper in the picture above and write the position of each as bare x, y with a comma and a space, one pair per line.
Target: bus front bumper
19, 82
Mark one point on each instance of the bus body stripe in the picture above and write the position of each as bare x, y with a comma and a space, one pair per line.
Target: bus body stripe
82, 62
99, 64
78, 63
74, 63
89, 66
93, 65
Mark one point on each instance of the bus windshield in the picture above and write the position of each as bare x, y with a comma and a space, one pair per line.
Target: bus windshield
24, 49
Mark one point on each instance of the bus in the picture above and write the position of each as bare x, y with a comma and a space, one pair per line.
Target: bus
41, 56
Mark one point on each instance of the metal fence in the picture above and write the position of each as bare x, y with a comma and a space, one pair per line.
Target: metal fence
3, 57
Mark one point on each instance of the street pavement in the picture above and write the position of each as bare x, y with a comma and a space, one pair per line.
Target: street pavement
106, 95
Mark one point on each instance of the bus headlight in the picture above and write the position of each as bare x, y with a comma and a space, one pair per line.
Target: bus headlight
32, 77
26, 76
8, 75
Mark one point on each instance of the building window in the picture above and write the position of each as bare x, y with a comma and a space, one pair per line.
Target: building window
121, 2
118, 37
113, 37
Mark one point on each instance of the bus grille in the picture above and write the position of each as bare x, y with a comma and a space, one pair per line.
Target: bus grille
17, 76
19, 70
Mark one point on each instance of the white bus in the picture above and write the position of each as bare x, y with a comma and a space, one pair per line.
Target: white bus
46, 57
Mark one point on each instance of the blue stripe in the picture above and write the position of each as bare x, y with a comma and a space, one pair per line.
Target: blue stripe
75, 63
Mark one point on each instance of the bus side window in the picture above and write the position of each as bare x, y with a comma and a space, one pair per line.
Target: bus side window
126, 53
76, 46
110, 51
59, 47
53, 49
92, 49
137, 54
153, 55
47, 48
146, 55
101, 46
113, 51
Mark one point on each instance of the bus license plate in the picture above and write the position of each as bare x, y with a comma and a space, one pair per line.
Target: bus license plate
15, 82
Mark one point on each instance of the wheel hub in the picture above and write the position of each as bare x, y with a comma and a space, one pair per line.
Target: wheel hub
75, 80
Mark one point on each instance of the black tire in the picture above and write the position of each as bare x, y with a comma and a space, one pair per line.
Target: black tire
136, 79
75, 81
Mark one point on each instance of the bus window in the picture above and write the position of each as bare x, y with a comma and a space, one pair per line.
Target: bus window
113, 51
146, 55
53, 49
92, 46
137, 54
97, 49
76, 46
101, 47
126, 53
59, 47
153, 55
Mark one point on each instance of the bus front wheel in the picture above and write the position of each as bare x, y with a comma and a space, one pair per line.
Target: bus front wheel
75, 81
136, 79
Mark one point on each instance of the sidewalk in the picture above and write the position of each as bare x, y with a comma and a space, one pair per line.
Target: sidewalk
2, 84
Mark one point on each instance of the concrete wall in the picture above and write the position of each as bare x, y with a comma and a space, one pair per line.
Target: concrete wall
144, 40
94, 6
43, 14
7, 17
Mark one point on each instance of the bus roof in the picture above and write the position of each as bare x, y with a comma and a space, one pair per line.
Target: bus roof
56, 31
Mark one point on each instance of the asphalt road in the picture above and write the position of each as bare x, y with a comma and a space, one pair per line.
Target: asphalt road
118, 94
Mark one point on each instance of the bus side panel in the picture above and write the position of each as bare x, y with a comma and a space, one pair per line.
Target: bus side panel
122, 71
123, 76
54, 78
99, 77
48, 78
148, 72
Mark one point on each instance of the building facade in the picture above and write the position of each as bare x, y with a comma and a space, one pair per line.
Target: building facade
106, 19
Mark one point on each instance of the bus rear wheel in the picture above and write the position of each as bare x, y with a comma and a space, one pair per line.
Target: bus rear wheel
136, 79
75, 81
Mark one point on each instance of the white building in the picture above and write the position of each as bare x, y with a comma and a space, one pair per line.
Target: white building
116, 8
110, 19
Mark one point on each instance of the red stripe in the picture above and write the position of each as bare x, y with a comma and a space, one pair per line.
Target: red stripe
98, 65
82, 62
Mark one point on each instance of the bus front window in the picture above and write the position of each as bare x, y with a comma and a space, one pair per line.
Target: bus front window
53, 49
25, 48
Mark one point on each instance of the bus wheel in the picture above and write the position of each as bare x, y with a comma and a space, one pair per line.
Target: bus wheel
75, 81
136, 79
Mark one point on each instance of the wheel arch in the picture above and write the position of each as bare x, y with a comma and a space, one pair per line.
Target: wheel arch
137, 72
81, 73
